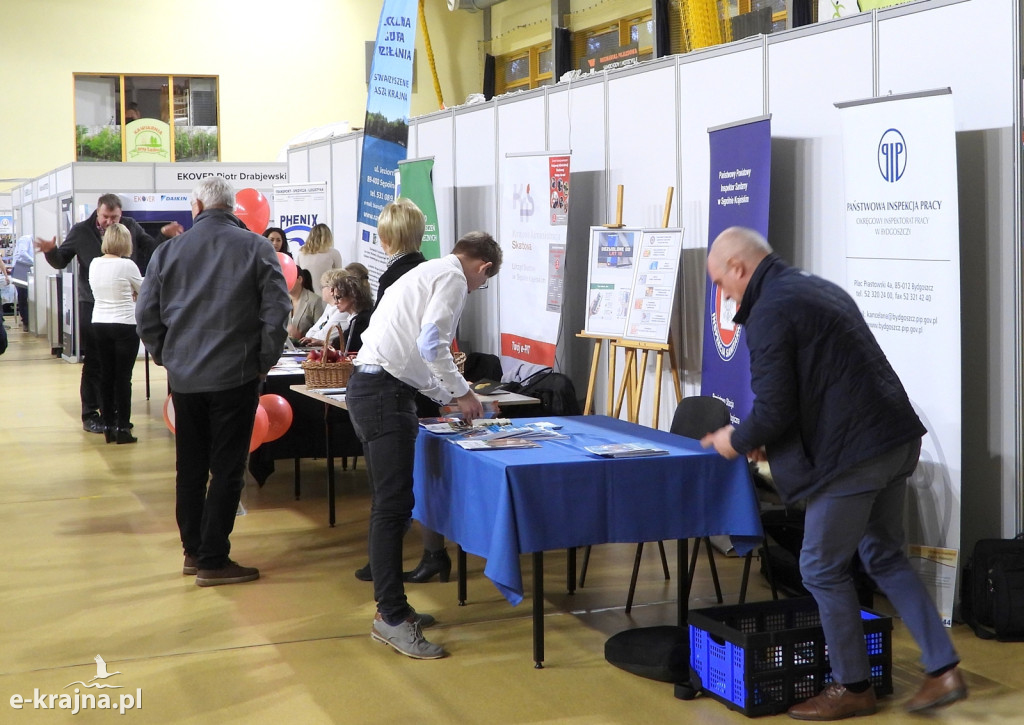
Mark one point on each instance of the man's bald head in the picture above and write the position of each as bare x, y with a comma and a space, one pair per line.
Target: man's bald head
733, 257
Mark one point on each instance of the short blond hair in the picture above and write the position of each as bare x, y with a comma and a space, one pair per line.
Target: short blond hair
117, 240
401, 225
319, 240
328, 278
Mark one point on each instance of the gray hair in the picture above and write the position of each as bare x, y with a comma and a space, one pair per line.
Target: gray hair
214, 192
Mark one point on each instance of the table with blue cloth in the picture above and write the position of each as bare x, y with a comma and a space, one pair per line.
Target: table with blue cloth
499, 504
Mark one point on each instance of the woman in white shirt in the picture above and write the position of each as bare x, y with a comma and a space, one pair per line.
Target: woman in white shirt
318, 253
115, 282
330, 317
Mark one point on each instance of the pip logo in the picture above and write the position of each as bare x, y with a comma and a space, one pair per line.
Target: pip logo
892, 155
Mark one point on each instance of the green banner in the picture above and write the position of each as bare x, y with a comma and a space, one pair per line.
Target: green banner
416, 184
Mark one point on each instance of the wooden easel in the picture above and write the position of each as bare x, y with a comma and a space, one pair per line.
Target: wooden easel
632, 383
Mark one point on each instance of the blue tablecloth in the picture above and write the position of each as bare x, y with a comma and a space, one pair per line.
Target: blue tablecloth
499, 504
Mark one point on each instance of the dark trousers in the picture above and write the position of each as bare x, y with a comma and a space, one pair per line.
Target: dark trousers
91, 375
116, 345
212, 434
862, 511
383, 413
23, 305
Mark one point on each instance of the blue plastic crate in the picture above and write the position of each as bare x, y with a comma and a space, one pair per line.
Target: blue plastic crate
763, 657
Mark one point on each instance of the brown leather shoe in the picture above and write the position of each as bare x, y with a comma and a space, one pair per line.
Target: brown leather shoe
835, 702
939, 691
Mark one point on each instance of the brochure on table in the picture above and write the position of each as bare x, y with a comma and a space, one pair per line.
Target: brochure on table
631, 282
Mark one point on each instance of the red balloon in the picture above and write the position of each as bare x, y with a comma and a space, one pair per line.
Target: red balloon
253, 209
169, 414
260, 425
288, 268
279, 411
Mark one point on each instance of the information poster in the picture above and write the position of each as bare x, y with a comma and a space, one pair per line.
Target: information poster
533, 247
298, 208
559, 168
903, 270
654, 285
740, 192
610, 280
386, 128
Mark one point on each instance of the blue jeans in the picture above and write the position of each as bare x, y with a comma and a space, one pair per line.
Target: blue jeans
862, 511
383, 412
212, 434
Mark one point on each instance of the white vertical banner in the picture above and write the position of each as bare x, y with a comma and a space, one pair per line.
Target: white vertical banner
903, 269
534, 211
298, 208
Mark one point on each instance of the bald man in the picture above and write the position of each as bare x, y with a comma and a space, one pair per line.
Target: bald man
836, 426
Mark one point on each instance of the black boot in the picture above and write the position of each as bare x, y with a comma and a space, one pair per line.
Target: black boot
110, 433
433, 562
124, 435
364, 574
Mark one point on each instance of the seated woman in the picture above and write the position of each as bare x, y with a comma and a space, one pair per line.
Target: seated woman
330, 317
279, 239
352, 296
307, 305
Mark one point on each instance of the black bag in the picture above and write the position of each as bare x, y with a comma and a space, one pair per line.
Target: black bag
992, 590
555, 391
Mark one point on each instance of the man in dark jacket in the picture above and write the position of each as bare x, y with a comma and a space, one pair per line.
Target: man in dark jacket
212, 310
837, 428
83, 242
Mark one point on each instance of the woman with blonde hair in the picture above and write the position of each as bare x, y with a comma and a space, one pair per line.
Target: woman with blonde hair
318, 253
115, 280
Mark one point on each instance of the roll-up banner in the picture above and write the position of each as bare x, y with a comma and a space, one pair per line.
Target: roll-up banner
298, 208
741, 156
534, 212
386, 129
903, 270
415, 182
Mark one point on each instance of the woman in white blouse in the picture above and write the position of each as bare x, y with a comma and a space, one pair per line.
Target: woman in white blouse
318, 253
115, 282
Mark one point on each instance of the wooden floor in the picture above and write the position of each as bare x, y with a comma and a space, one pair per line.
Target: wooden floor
94, 568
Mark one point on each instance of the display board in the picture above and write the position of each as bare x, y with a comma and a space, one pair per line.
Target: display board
610, 276
656, 263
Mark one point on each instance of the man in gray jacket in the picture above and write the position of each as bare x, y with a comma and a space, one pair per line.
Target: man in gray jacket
212, 311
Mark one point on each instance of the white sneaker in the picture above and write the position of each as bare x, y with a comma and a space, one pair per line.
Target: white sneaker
407, 638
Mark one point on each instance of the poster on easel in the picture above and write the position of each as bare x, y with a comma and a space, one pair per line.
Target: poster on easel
610, 275
656, 269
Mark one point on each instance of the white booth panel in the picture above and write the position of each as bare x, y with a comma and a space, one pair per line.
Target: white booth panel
966, 46
298, 165
104, 177
344, 191
521, 126
576, 123
699, 81
641, 139
320, 166
65, 180
476, 205
806, 218
435, 138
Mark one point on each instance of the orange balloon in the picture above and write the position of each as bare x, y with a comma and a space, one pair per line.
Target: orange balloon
260, 425
279, 412
169, 414
253, 209
288, 269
